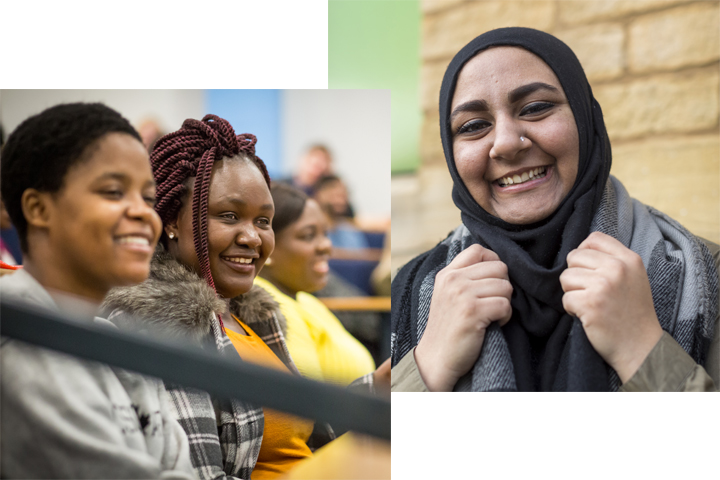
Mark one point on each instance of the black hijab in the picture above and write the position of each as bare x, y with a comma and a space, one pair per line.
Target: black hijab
544, 353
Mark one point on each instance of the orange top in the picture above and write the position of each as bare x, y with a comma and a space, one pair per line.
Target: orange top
285, 436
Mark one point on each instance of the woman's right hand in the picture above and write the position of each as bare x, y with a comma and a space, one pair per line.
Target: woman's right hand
469, 294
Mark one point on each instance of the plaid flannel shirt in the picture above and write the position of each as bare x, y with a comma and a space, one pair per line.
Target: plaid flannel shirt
225, 436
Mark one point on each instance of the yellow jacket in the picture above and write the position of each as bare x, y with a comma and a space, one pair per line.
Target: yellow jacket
319, 344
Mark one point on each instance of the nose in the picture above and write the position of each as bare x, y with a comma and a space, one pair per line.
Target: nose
248, 236
138, 209
508, 143
324, 246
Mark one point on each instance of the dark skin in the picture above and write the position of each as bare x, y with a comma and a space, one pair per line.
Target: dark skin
99, 230
240, 236
300, 263
302, 251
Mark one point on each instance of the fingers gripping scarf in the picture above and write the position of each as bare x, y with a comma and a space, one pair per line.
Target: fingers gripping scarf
542, 347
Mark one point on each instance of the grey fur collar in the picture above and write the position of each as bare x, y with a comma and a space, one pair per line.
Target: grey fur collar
179, 303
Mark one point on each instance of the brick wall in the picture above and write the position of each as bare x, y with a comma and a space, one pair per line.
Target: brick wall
653, 67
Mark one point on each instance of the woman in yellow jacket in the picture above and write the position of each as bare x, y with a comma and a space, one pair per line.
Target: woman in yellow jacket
318, 342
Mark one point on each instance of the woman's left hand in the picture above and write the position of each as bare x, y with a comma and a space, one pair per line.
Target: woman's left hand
607, 288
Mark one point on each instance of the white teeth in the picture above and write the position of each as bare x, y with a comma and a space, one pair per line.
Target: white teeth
238, 259
134, 240
529, 175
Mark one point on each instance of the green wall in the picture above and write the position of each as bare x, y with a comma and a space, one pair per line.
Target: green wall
375, 44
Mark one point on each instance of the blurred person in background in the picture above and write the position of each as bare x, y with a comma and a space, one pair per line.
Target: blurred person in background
77, 184
316, 162
150, 131
10, 253
319, 343
331, 194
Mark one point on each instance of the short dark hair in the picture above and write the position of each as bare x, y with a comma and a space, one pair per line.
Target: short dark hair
324, 181
289, 205
41, 150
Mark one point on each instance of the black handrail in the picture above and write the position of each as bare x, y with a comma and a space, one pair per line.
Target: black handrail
190, 366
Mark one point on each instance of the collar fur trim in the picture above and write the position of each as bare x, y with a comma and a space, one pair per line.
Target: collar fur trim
179, 303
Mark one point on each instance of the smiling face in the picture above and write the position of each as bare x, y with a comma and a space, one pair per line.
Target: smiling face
503, 94
102, 228
239, 218
302, 251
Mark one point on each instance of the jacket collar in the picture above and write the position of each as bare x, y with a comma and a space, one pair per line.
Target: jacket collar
178, 302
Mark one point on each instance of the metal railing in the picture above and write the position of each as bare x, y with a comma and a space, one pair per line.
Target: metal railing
188, 365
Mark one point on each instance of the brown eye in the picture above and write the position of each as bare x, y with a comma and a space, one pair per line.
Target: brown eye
536, 108
472, 126
112, 194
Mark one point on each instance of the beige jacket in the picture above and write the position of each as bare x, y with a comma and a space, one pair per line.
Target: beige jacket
667, 367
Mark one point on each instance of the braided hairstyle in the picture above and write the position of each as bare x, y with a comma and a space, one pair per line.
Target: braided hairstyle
191, 152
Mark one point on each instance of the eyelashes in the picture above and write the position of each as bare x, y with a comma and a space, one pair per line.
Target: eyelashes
231, 218
536, 108
117, 194
477, 125
472, 126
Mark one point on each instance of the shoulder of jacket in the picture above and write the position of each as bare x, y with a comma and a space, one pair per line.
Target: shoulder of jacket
456, 235
714, 250
173, 299
258, 307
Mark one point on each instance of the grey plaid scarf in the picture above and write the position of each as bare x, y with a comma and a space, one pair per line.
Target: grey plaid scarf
682, 275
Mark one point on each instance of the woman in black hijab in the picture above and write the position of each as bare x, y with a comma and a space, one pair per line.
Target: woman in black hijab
557, 279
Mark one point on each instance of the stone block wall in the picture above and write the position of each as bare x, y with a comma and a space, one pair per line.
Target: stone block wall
653, 67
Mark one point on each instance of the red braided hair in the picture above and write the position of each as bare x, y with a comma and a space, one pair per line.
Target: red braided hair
191, 152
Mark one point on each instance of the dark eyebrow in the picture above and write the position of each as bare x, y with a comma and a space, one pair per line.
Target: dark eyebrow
525, 90
471, 106
514, 96
113, 176
308, 228
121, 177
241, 203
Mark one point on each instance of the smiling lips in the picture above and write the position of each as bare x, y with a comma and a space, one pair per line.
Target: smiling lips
243, 260
135, 242
525, 176
321, 267
131, 239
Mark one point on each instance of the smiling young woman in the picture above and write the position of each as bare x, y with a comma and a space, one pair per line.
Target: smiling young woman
217, 211
108, 198
240, 237
77, 184
514, 136
320, 345
557, 279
